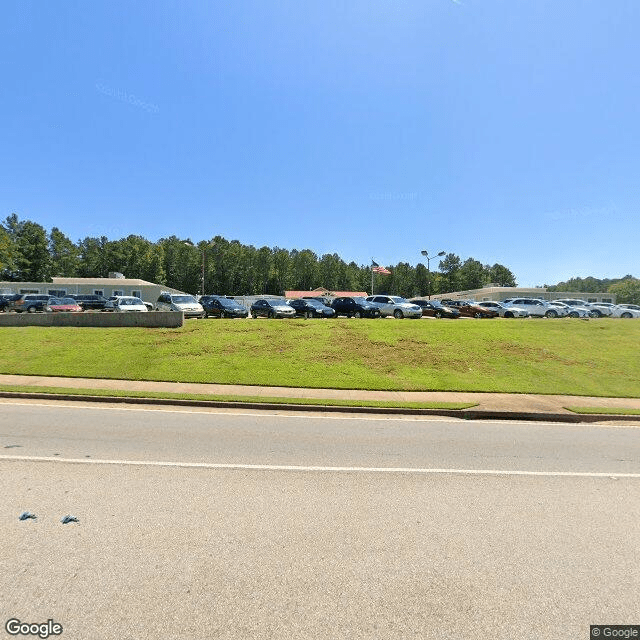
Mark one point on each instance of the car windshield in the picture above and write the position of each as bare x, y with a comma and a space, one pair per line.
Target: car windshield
314, 303
399, 300
225, 302
130, 301
66, 301
361, 300
183, 299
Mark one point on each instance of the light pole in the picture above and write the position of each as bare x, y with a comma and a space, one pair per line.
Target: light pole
426, 255
190, 244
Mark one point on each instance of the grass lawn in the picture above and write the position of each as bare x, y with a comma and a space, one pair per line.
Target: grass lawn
596, 357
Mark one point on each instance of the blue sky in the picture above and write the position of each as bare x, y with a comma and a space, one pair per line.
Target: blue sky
506, 130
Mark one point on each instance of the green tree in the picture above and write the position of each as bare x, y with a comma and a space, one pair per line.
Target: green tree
64, 254
501, 275
450, 268
472, 275
627, 290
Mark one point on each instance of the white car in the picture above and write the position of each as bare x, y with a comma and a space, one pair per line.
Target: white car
396, 306
534, 306
180, 302
595, 308
622, 310
504, 311
563, 309
126, 304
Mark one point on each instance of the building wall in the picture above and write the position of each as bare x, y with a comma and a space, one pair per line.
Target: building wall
148, 291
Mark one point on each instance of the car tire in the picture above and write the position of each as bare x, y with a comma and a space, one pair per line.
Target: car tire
222, 315
31, 309
574, 314
438, 314
626, 315
357, 314
596, 314
253, 315
508, 314
307, 315
477, 315
398, 315
551, 314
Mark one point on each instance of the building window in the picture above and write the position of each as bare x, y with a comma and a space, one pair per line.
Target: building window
118, 292
98, 292
607, 300
57, 293
29, 290
592, 299
137, 294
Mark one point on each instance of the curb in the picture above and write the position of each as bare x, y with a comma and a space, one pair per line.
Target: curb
465, 414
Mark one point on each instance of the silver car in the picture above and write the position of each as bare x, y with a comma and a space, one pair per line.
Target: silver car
595, 310
396, 306
180, 302
537, 308
504, 311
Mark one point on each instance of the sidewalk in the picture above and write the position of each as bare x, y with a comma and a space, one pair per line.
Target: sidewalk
487, 404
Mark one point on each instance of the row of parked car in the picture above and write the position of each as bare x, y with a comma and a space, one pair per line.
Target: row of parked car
319, 307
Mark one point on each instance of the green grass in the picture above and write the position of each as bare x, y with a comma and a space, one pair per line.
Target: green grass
619, 411
598, 357
389, 404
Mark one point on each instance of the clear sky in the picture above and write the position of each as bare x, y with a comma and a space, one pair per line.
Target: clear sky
504, 130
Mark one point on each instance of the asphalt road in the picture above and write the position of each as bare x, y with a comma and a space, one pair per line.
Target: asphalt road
500, 545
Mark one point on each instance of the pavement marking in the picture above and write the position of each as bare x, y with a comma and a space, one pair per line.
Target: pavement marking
283, 467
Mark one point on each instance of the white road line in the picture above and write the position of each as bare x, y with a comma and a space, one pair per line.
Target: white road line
282, 467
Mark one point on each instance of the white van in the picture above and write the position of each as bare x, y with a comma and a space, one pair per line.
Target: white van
180, 302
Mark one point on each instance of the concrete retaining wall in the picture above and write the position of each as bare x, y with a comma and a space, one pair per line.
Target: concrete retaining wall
168, 319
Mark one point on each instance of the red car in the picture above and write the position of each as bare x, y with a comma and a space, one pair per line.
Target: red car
469, 309
56, 305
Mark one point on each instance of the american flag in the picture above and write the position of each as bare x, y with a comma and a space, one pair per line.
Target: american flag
382, 270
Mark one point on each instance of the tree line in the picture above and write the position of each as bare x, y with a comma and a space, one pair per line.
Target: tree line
29, 253
627, 288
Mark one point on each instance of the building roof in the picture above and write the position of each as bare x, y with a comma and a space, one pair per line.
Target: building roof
105, 281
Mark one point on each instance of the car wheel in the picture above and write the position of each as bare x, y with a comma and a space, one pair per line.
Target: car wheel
574, 314
398, 315
551, 314
253, 315
596, 314
357, 314
223, 315
31, 309
477, 314
626, 315
438, 314
508, 314
308, 314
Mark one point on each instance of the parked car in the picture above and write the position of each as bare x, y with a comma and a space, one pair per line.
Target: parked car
470, 309
126, 304
29, 302
221, 307
396, 306
536, 307
435, 308
622, 310
563, 309
57, 305
180, 302
578, 306
595, 310
503, 311
89, 301
355, 307
6, 300
311, 308
272, 308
